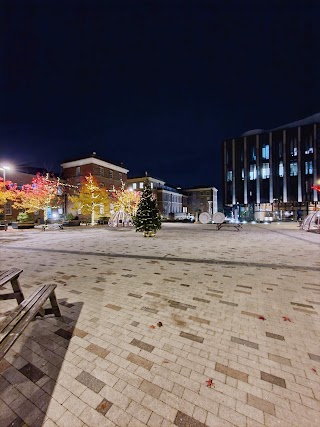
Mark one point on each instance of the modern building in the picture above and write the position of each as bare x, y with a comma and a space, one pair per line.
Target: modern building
169, 199
202, 199
269, 173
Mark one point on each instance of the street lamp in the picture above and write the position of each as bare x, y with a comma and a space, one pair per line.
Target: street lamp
4, 168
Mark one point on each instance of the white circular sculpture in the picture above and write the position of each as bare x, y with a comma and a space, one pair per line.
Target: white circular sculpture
120, 219
218, 218
312, 222
204, 218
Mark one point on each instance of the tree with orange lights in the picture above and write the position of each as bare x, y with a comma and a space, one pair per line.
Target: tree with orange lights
125, 200
91, 199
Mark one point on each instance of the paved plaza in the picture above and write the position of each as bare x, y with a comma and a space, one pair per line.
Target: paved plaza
192, 328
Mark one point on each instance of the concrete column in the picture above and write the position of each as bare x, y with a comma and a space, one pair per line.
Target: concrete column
271, 169
284, 156
233, 172
258, 170
299, 166
245, 167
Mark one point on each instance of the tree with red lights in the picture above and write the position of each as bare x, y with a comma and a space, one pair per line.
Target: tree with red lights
41, 194
6, 192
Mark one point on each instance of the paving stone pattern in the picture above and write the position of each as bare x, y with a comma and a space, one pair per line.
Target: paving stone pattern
222, 298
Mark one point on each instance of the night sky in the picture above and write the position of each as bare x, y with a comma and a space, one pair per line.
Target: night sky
154, 84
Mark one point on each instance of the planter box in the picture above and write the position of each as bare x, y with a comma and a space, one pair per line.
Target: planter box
22, 225
71, 223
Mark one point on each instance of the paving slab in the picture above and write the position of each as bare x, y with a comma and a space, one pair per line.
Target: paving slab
195, 327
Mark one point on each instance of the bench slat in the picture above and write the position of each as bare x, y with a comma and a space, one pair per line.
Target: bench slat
13, 313
37, 299
14, 332
8, 275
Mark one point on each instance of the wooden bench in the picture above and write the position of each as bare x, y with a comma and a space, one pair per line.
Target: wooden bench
12, 276
19, 318
236, 225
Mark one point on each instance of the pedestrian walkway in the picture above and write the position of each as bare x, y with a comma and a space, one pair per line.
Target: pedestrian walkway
192, 328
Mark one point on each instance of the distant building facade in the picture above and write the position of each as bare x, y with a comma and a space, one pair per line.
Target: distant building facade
270, 173
202, 199
169, 199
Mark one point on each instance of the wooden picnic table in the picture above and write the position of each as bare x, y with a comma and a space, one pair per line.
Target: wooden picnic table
11, 276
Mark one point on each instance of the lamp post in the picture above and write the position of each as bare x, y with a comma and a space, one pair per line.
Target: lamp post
4, 168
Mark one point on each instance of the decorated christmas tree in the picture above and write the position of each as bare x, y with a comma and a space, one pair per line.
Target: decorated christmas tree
147, 219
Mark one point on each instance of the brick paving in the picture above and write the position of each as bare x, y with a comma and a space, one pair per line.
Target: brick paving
241, 309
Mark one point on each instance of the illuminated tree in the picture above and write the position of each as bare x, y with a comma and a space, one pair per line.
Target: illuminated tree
316, 187
38, 196
91, 198
125, 200
6, 192
147, 219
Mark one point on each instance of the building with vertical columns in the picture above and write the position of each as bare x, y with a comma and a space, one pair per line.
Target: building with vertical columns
268, 174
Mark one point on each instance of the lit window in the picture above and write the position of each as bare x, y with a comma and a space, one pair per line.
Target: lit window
281, 169
309, 150
308, 168
253, 154
242, 174
101, 171
140, 184
8, 209
78, 171
120, 176
151, 184
229, 178
265, 171
101, 209
110, 174
293, 168
253, 172
134, 185
79, 211
185, 209
265, 151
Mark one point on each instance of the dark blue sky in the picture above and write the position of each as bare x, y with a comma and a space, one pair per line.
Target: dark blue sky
154, 84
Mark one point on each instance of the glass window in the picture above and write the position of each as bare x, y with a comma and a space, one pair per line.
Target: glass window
134, 186
78, 171
265, 151
101, 185
140, 184
293, 168
242, 174
151, 184
110, 174
293, 147
101, 171
308, 168
8, 209
253, 153
229, 178
265, 171
120, 176
101, 209
253, 172
281, 169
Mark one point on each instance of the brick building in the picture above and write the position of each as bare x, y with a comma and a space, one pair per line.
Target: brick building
107, 174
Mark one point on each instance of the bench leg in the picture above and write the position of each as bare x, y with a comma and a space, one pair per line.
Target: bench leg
16, 288
54, 305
